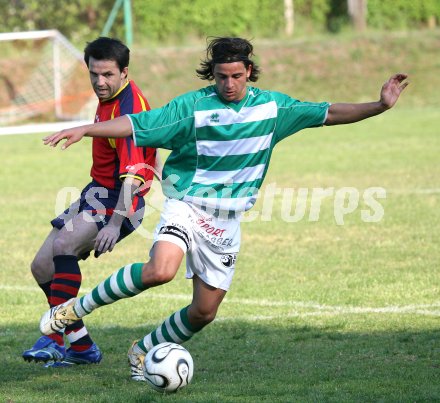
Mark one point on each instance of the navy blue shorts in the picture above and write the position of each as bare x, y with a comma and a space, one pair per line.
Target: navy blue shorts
100, 202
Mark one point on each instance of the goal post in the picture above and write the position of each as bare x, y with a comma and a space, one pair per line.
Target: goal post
44, 80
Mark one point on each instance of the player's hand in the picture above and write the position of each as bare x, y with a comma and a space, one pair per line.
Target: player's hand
392, 89
106, 239
73, 135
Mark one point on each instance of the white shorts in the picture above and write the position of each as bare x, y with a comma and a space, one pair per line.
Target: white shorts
211, 244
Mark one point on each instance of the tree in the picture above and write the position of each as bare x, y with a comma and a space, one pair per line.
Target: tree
289, 16
357, 10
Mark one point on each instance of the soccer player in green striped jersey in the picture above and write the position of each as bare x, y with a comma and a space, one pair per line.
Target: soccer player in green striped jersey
221, 139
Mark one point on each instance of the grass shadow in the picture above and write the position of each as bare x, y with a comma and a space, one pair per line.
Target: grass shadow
243, 362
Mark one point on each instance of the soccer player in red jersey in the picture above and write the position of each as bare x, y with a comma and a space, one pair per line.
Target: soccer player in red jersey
110, 206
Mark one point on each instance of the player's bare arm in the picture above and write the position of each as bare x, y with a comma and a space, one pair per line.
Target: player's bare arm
118, 127
340, 113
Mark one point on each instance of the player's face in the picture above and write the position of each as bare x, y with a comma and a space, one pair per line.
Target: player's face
106, 78
230, 79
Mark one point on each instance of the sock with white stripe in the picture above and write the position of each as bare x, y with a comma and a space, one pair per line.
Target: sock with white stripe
65, 285
175, 329
57, 337
124, 283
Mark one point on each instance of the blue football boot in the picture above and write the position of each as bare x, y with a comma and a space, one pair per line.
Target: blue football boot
92, 355
45, 349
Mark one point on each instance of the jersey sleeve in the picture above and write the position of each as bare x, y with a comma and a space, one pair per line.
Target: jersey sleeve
136, 162
169, 127
294, 115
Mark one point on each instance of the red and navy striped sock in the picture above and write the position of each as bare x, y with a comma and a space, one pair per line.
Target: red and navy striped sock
65, 285
58, 336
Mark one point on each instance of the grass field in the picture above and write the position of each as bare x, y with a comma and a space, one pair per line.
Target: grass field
318, 312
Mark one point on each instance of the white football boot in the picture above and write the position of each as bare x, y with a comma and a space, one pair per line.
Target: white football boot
58, 317
136, 357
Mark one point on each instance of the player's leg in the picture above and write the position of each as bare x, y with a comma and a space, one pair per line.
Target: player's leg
183, 324
127, 282
180, 326
42, 267
204, 306
74, 239
210, 267
172, 242
90, 213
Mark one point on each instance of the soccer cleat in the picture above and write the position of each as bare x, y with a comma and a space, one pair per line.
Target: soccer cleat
45, 349
136, 357
58, 317
92, 355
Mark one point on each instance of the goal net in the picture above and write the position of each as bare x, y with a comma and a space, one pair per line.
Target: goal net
44, 83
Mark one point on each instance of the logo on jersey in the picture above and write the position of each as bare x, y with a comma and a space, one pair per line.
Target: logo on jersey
215, 118
228, 260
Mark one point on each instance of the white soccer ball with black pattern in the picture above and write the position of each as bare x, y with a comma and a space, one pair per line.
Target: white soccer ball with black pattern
168, 367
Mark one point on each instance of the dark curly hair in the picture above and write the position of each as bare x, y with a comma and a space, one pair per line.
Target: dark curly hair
104, 48
227, 50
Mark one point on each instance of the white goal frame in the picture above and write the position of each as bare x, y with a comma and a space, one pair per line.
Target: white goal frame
59, 42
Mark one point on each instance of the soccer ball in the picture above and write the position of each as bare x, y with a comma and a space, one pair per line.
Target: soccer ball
168, 367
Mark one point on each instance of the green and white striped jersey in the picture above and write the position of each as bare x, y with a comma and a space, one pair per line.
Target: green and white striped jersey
221, 150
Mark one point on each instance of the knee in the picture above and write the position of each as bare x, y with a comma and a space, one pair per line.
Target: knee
201, 316
42, 270
155, 273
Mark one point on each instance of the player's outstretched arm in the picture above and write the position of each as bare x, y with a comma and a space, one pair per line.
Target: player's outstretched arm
119, 127
341, 113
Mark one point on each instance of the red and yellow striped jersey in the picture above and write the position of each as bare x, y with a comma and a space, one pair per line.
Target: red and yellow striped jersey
116, 159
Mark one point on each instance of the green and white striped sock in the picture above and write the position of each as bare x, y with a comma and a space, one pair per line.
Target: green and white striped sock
175, 329
124, 283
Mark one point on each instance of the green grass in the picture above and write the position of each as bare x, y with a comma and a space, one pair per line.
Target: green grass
318, 312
